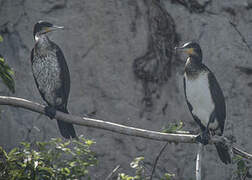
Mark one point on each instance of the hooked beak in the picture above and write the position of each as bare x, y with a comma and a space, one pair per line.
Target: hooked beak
179, 49
188, 51
53, 28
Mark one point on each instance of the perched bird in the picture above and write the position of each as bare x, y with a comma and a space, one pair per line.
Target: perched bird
51, 74
204, 98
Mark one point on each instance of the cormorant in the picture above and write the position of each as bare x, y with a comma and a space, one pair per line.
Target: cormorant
204, 98
51, 74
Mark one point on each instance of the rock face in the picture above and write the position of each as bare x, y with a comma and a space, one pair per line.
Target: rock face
101, 42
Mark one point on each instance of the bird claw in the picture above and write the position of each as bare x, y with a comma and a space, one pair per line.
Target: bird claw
199, 139
203, 138
50, 111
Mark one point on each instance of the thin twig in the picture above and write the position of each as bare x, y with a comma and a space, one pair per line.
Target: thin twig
241, 35
198, 161
156, 160
183, 132
113, 172
246, 70
242, 153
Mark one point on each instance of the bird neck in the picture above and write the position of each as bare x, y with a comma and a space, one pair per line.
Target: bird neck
42, 41
193, 66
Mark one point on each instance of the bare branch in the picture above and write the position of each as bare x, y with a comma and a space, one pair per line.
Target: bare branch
243, 154
198, 161
156, 160
117, 128
100, 124
241, 35
113, 172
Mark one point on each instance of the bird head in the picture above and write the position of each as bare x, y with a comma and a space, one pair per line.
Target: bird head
43, 27
192, 49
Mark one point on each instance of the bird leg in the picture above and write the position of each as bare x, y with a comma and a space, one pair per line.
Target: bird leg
50, 111
198, 138
205, 136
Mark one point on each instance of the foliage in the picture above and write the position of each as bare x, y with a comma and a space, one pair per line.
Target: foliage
242, 171
6, 73
56, 159
168, 176
140, 173
136, 164
173, 127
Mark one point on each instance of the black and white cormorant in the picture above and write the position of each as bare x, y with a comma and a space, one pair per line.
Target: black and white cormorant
204, 98
51, 74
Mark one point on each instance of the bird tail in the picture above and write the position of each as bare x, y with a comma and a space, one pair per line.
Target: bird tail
223, 152
66, 129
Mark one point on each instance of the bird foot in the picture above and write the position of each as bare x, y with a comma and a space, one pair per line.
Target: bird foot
50, 111
199, 139
203, 138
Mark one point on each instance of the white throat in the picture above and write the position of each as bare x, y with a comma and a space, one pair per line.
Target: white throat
36, 38
42, 40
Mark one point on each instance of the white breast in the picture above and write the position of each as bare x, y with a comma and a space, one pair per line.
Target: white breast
199, 96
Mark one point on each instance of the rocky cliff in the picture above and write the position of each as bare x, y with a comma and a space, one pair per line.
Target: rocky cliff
123, 70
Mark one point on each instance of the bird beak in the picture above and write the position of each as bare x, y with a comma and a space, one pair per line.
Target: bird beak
178, 49
188, 51
53, 28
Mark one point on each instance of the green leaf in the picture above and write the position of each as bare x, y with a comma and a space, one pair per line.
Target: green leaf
1, 38
135, 163
89, 142
1, 60
72, 164
26, 145
3, 153
168, 176
6, 74
13, 151
65, 171
173, 127
241, 165
49, 170
42, 160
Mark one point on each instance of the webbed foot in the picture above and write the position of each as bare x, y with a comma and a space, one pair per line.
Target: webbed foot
50, 111
203, 138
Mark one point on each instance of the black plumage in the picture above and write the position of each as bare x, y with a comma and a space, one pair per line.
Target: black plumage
51, 75
204, 98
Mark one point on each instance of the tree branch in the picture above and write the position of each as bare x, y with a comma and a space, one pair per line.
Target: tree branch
100, 124
241, 35
117, 128
113, 172
156, 160
198, 161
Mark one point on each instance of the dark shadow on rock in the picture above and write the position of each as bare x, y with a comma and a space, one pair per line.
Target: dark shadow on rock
193, 5
154, 67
